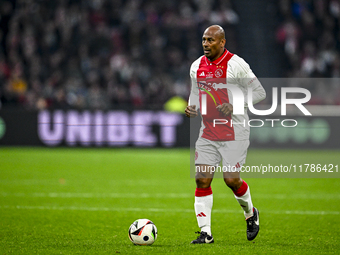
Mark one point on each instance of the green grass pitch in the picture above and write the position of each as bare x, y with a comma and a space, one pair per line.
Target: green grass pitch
82, 201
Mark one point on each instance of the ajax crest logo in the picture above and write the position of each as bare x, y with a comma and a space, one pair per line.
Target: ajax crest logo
218, 73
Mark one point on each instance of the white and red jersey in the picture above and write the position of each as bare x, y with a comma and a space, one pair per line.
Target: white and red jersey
211, 79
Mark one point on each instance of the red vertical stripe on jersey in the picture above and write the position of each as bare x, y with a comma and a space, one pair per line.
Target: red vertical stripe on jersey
209, 75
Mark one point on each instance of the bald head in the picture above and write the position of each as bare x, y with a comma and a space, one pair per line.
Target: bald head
213, 42
217, 30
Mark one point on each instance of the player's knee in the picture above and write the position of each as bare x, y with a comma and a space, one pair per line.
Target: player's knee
232, 183
203, 183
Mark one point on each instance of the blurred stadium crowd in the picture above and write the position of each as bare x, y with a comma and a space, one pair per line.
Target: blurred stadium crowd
310, 37
102, 54
99, 54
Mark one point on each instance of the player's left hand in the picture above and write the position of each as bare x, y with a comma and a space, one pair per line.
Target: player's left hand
225, 108
191, 111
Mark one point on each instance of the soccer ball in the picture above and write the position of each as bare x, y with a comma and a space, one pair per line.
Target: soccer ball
143, 232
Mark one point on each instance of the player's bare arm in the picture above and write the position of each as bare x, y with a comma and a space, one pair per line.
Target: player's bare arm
225, 108
191, 111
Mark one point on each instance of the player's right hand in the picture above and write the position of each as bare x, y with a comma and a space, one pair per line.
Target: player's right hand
191, 111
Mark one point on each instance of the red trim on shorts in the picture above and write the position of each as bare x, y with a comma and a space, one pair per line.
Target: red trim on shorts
242, 190
202, 192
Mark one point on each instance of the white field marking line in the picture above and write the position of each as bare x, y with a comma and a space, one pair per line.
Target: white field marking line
28, 182
98, 195
167, 210
162, 195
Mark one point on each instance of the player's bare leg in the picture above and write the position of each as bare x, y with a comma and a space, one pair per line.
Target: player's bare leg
204, 202
242, 195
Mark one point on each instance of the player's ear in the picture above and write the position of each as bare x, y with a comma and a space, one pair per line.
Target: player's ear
223, 41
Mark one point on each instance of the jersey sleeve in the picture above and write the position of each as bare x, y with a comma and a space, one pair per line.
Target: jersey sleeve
194, 92
247, 79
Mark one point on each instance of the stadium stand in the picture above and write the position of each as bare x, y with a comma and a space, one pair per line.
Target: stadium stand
103, 54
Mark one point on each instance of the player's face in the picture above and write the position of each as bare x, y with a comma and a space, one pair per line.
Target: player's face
213, 45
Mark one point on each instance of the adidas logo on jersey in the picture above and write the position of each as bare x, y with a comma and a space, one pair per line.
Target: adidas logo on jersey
202, 74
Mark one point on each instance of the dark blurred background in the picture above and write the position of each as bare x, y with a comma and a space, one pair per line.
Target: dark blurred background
108, 54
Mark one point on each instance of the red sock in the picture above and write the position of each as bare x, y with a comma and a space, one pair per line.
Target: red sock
203, 205
242, 190
202, 192
243, 197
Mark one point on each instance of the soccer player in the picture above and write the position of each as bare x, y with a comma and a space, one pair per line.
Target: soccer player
224, 136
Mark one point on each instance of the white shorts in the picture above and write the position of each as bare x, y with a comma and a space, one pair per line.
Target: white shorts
230, 153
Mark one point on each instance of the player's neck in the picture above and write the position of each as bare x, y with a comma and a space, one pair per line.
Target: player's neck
218, 56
